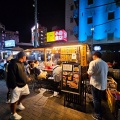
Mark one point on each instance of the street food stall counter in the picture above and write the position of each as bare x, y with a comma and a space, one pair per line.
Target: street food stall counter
74, 68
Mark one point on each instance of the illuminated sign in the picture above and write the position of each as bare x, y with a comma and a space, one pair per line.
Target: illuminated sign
33, 33
58, 35
97, 48
10, 43
83, 57
51, 36
33, 28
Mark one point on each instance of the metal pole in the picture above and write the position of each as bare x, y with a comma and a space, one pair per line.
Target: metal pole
92, 29
36, 37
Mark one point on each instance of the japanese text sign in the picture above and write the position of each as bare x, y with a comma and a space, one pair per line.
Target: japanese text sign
57, 36
83, 54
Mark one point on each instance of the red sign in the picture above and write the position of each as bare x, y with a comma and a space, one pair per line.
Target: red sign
60, 35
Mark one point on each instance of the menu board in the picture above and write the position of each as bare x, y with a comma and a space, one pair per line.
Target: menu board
67, 67
71, 78
69, 50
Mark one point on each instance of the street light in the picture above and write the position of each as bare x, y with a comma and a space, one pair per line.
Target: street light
92, 29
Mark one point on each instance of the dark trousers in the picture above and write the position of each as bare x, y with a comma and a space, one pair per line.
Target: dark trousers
97, 97
57, 86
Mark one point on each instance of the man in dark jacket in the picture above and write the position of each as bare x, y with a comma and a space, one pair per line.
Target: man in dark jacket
17, 82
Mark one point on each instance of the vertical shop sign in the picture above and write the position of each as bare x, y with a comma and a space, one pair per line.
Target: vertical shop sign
83, 55
51, 36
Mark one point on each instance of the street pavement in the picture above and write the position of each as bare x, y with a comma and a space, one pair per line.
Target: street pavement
41, 106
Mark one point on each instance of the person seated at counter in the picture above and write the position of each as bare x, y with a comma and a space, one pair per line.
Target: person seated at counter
116, 65
57, 75
37, 64
42, 65
49, 64
36, 70
28, 67
109, 64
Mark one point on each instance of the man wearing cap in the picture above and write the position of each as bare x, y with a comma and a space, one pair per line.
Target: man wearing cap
17, 82
97, 71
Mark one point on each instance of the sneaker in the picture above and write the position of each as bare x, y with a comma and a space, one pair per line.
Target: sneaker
55, 93
20, 107
96, 117
8, 101
15, 116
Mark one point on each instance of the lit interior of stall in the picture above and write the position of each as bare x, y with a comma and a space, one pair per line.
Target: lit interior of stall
35, 54
72, 53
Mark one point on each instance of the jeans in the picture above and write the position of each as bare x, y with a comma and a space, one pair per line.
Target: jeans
97, 96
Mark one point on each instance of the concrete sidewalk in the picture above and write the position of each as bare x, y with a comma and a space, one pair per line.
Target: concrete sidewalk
43, 107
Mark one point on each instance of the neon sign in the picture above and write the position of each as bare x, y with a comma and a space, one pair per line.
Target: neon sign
57, 35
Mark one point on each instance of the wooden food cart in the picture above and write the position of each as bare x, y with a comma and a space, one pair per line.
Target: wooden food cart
74, 69
74, 75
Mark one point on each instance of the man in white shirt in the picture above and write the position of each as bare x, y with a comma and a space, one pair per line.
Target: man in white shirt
97, 71
57, 75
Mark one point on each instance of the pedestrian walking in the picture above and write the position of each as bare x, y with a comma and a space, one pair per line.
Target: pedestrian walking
98, 70
17, 82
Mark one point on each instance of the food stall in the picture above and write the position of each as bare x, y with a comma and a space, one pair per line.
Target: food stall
75, 63
74, 71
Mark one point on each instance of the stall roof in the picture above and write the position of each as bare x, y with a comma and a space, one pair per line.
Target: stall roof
54, 46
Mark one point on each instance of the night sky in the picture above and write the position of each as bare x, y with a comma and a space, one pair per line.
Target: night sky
18, 15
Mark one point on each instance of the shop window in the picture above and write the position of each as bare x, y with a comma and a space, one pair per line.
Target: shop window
110, 36
71, 20
72, 7
89, 20
90, 2
111, 15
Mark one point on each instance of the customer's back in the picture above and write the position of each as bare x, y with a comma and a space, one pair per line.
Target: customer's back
98, 70
57, 72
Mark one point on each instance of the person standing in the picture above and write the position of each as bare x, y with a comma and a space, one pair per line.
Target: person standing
98, 70
57, 75
17, 82
6, 71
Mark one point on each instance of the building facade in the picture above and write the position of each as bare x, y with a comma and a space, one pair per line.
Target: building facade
98, 20
12, 35
2, 34
41, 35
7, 35
70, 22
